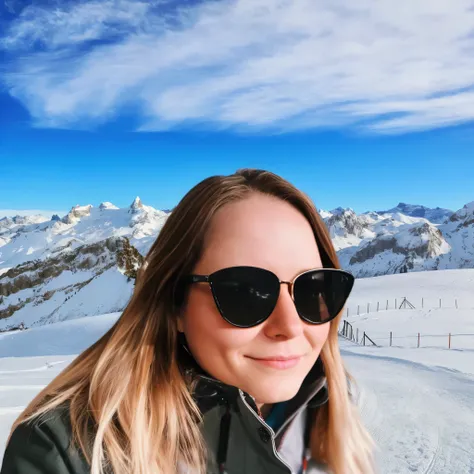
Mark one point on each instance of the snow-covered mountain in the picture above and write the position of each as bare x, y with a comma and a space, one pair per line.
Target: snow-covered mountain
40, 238
436, 216
79, 265
84, 263
375, 243
72, 283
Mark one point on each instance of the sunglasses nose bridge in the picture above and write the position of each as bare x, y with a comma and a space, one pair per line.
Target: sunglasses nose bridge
290, 285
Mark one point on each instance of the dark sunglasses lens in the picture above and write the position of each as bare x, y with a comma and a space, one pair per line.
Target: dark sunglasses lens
245, 296
321, 294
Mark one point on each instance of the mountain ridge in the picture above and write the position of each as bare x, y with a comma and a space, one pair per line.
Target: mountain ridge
85, 262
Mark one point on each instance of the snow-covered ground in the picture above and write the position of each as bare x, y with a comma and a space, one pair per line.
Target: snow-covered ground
30, 359
417, 403
420, 415
443, 304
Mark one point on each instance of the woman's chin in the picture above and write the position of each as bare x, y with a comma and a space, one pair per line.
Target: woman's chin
271, 395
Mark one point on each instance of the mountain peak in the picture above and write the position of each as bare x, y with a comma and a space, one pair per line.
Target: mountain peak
136, 204
76, 213
469, 206
436, 216
79, 208
107, 205
341, 210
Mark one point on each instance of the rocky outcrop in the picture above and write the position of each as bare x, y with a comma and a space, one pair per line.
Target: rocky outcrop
345, 222
129, 259
35, 275
414, 247
429, 242
373, 248
76, 213
465, 216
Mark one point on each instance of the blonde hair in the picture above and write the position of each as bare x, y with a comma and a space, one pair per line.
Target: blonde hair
129, 386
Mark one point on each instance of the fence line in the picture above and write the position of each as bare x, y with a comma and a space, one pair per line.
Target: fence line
403, 303
351, 333
347, 331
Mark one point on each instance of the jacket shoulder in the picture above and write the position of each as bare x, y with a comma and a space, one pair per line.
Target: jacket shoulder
43, 446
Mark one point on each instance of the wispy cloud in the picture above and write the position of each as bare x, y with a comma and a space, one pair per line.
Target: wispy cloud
252, 64
53, 27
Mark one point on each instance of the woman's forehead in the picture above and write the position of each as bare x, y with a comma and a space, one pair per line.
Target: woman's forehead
263, 232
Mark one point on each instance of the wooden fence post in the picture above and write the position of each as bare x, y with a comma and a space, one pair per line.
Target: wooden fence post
390, 338
418, 340
347, 312
368, 307
357, 310
396, 303
422, 302
357, 335
440, 302
387, 305
449, 341
377, 306
364, 338
456, 302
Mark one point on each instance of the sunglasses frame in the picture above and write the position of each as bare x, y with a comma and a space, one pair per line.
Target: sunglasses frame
208, 279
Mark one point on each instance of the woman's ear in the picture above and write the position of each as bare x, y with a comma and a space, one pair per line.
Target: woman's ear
179, 305
180, 323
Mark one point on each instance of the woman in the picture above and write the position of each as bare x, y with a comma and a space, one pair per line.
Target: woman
226, 358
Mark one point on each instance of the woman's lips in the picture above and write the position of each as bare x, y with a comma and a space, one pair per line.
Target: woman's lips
278, 362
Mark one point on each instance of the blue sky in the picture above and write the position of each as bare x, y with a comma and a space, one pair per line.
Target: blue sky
360, 106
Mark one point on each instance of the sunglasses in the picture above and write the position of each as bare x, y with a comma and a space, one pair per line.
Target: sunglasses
246, 296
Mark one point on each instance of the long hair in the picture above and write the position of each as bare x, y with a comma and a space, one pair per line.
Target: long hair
129, 386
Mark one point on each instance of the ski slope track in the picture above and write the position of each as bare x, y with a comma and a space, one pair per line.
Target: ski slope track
421, 417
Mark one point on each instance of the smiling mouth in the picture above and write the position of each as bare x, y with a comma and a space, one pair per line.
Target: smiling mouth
278, 362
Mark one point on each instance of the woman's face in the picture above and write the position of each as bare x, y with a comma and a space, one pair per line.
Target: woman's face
264, 232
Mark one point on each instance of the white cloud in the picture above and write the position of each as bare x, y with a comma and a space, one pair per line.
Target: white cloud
250, 64
74, 23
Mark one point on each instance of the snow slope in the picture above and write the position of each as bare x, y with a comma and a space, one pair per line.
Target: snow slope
30, 359
420, 415
453, 289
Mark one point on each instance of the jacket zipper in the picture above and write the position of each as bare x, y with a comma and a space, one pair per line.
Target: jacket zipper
262, 422
283, 437
300, 409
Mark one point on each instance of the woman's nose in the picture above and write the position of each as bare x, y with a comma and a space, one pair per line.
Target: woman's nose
284, 322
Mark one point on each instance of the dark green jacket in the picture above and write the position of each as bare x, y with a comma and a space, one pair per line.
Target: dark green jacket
236, 435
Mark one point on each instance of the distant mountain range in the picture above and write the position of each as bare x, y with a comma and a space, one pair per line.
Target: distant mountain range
84, 263
435, 216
